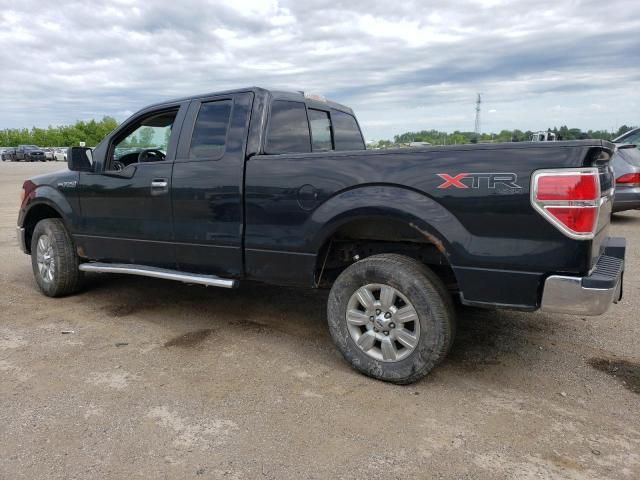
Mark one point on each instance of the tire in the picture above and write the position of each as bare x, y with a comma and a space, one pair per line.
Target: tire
431, 332
57, 249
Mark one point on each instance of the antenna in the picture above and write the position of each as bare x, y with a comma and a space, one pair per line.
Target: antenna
477, 129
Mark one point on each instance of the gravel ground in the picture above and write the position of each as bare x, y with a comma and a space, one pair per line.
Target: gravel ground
164, 380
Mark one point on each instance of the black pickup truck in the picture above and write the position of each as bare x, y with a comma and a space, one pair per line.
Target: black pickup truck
29, 153
278, 187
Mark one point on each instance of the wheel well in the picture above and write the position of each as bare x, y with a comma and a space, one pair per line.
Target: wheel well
365, 237
37, 213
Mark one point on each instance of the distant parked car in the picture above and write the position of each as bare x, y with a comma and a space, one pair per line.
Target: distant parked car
626, 168
29, 153
48, 154
8, 154
60, 154
632, 136
543, 137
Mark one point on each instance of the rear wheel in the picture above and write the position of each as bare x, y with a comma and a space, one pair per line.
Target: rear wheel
53, 259
391, 318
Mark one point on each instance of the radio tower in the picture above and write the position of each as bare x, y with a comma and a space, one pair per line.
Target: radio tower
477, 129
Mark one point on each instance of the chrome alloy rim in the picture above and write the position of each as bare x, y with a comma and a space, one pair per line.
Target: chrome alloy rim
382, 322
44, 257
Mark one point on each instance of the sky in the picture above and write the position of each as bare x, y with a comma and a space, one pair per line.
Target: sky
401, 65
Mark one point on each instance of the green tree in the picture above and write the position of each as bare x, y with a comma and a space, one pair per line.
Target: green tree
146, 137
91, 132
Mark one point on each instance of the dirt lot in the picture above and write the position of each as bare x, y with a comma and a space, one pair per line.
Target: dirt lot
164, 380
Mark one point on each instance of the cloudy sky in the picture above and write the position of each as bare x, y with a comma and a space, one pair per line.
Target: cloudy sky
402, 65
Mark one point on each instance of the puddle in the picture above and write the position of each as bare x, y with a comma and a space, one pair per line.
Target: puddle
628, 372
190, 339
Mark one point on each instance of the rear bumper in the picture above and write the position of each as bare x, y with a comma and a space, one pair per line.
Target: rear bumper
590, 295
626, 199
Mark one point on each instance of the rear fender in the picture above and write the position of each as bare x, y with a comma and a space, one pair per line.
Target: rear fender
415, 209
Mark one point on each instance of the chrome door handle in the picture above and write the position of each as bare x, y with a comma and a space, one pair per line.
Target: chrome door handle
159, 183
159, 186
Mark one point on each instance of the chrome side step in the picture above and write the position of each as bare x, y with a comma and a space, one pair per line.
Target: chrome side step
209, 280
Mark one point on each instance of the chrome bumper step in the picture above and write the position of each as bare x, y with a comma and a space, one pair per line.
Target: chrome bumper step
154, 272
590, 295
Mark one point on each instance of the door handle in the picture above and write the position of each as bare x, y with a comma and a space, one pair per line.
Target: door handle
159, 186
159, 183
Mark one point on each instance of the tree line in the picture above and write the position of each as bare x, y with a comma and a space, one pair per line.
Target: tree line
436, 137
91, 132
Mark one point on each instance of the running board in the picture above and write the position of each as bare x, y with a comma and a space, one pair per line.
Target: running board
129, 269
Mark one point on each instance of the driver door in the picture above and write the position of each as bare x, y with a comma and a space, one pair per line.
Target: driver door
126, 203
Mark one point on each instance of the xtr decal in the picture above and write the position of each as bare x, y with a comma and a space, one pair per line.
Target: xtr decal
479, 180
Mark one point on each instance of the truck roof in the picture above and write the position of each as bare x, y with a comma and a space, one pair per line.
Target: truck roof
298, 96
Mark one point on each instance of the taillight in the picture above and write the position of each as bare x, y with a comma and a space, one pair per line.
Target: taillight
569, 199
629, 179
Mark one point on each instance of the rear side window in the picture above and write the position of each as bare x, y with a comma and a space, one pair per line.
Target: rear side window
321, 139
346, 133
630, 155
210, 131
288, 128
635, 139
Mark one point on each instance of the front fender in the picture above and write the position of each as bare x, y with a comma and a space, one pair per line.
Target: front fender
50, 196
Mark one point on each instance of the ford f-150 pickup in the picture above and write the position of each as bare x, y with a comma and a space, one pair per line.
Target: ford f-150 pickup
29, 153
278, 187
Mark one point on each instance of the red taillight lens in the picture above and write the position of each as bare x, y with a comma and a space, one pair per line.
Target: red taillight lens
569, 199
578, 219
629, 179
568, 187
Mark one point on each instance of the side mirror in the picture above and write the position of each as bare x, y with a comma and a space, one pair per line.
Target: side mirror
80, 159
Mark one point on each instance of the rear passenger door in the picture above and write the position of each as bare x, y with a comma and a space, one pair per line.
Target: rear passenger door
285, 186
207, 185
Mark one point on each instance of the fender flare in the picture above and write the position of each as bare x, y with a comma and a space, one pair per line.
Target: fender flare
419, 211
52, 198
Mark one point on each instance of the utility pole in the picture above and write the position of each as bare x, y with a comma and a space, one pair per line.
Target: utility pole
477, 129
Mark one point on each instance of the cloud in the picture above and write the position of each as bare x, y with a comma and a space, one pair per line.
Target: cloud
401, 65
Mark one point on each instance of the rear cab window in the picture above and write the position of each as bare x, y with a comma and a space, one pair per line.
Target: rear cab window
295, 127
321, 134
346, 131
288, 130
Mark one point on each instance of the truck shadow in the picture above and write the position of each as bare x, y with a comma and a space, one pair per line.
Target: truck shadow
625, 218
489, 339
485, 339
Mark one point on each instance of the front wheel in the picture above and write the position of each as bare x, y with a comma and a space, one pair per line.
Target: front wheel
53, 259
391, 318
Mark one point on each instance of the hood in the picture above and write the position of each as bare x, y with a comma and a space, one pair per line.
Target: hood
54, 178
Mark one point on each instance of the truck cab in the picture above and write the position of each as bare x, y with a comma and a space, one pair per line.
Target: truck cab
166, 188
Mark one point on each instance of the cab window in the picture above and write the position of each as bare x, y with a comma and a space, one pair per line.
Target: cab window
321, 137
288, 130
210, 131
346, 131
145, 141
